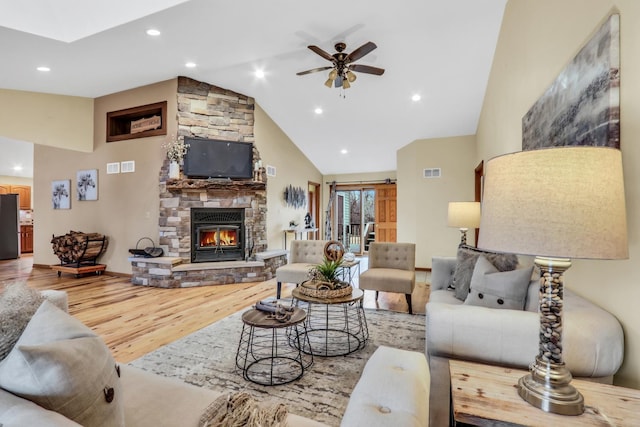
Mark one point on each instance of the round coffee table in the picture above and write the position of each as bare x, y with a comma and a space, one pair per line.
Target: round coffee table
269, 351
334, 326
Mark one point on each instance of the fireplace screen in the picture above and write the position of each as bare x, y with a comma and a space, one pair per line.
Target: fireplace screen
214, 237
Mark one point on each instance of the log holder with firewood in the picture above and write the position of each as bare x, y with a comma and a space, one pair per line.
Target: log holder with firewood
78, 252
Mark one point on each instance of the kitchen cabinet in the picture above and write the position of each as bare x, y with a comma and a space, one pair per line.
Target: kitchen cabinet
26, 238
23, 190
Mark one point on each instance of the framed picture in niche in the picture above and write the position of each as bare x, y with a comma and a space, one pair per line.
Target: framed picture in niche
87, 184
61, 194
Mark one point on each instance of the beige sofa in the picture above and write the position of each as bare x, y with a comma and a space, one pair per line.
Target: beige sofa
303, 255
593, 339
147, 399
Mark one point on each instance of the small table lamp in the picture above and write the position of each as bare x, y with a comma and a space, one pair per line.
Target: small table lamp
464, 215
556, 204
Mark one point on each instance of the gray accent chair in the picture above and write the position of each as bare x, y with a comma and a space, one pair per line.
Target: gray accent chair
392, 268
303, 255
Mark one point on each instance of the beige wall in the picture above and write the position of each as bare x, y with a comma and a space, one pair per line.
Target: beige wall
537, 40
127, 205
54, 120
423, 203
292, 168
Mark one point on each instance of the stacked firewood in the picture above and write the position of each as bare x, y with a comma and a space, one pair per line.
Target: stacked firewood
77, 247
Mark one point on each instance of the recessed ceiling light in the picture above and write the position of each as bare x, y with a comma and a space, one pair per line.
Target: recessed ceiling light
259, 74
318, 110
17, 168
153, 32
344, 151
190, 64
43, 69
416, 97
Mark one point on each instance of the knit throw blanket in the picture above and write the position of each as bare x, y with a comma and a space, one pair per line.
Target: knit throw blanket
239, 410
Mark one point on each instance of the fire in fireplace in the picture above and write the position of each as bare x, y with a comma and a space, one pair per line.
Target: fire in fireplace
217, 234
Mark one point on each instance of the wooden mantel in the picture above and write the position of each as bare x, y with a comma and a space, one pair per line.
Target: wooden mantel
214, 184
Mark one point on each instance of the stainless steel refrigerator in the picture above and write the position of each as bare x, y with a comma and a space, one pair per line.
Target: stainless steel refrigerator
9, 226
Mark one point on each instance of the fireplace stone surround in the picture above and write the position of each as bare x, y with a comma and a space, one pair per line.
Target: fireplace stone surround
208, 111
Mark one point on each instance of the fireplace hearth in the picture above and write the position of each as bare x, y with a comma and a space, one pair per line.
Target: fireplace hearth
217, 234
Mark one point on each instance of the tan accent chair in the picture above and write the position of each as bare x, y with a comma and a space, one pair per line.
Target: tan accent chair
391, 269
303, 255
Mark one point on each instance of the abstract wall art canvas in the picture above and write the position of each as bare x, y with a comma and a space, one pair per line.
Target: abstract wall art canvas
582, 106
61, 194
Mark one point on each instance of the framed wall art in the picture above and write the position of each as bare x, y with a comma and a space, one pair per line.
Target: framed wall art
87, 184
61, 194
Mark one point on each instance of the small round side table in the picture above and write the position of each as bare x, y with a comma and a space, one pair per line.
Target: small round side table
269, 351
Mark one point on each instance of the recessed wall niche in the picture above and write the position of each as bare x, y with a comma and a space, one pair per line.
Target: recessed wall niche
137, 122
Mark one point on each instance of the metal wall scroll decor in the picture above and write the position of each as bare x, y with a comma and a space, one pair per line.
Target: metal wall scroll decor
295, 197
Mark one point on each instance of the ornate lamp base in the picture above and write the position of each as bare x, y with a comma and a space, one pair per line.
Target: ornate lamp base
548, 385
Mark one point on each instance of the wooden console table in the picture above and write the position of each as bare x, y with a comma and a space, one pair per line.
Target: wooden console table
484, 395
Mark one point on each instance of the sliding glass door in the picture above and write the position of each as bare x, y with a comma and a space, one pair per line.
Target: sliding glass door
354, 223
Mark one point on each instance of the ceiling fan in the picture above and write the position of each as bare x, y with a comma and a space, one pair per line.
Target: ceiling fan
341, 74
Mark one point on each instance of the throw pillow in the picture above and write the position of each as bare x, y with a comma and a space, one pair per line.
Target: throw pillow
466, 261
495, 289
63, 366
18, 302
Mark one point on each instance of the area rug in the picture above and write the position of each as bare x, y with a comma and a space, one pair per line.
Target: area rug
206, 358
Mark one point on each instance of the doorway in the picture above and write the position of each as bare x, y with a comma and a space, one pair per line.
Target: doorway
313, 196
355, 218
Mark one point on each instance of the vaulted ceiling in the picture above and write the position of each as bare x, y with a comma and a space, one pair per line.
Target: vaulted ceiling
439, 50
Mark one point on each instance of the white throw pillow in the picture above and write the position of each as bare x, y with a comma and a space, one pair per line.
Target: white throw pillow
495, 289
63, 366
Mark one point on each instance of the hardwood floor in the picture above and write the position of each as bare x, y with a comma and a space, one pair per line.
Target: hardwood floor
134, 320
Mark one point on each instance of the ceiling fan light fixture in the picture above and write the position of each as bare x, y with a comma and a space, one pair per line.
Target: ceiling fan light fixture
328, 83
346, 84
351, 77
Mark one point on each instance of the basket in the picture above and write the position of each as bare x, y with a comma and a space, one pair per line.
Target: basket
315, 289
147, 252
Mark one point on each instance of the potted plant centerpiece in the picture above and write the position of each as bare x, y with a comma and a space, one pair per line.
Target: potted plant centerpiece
324, 280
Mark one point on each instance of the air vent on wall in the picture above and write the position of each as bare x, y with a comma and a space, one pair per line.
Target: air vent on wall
431, 173
128, 166
113, 168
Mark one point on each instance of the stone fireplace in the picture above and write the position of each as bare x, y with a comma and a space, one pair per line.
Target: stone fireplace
212, 231
208, 221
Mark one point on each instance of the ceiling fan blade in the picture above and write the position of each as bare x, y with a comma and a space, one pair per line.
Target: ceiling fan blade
321, 52
314, 70
366, 69
360, 52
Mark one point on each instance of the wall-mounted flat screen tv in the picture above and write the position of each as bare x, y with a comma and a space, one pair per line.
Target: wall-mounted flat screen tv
212, 158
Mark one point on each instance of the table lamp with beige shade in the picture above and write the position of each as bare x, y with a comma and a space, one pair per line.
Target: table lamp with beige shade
556, 204
464, 215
